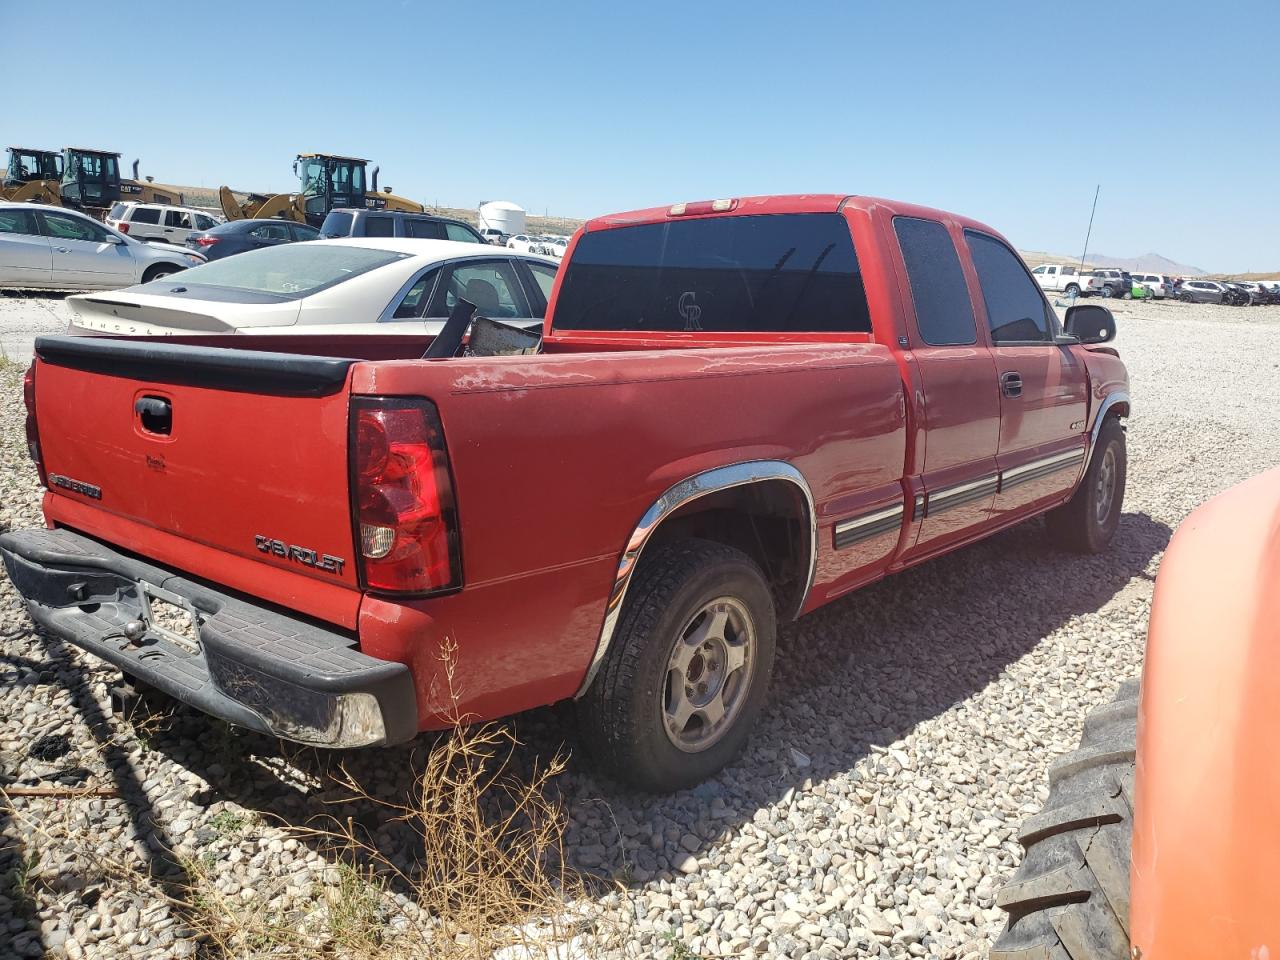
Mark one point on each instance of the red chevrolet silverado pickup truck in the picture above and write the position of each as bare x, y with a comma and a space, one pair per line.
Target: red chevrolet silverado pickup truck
739, 410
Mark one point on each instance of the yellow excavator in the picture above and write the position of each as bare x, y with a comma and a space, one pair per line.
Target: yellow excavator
326, 182
91, 182
32, 175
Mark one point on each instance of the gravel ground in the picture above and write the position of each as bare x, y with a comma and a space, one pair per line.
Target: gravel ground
910, 729
27, 316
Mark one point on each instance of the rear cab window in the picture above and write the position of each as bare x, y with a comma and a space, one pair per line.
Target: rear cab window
771, 273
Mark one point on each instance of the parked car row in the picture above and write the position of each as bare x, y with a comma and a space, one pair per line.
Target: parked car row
1110, 282
546, 246
1236, 293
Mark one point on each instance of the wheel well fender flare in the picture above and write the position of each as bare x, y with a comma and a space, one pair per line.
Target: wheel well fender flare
679, 495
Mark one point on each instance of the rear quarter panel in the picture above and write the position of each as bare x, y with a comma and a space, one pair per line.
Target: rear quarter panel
556, 459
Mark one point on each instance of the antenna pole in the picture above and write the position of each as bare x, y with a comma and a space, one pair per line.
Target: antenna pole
1089, 232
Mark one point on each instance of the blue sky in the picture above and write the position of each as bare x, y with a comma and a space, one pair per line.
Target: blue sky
1008, 112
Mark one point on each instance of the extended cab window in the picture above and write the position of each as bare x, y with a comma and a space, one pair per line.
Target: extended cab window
944, 314
1016, 311
769, 273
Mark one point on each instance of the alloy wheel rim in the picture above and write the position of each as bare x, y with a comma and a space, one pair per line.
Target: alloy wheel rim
708, 675
1106, 485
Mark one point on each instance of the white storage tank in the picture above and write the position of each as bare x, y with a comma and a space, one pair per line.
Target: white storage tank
505, 217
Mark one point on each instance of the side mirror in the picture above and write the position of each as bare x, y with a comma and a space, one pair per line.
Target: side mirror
112, 238
1090, 323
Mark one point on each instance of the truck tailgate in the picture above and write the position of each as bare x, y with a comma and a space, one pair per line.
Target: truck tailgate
240, 451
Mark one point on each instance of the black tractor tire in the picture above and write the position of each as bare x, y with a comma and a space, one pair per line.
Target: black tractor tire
1082, 525
622, 714
159, 272
1069, 899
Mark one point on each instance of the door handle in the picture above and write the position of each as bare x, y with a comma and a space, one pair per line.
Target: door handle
1011, 384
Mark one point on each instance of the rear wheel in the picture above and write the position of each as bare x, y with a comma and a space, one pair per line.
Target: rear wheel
1073, 290
1087, 522
688, 669
1069, 899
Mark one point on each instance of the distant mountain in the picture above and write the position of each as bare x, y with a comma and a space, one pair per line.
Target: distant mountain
1147, 263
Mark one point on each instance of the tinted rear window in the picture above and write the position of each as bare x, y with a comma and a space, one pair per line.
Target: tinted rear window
944, 313
292, 270
379, 227
336, 225
145, 215
116, 210
777, 273
424, 229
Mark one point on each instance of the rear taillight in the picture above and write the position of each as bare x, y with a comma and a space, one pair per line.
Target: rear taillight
406, 520
33, 431
123, 226
206, 241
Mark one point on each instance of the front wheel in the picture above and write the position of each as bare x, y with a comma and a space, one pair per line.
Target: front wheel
1070, 897
1087, 522
688, 668
159, 273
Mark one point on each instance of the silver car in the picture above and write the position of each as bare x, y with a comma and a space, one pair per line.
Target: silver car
52, 248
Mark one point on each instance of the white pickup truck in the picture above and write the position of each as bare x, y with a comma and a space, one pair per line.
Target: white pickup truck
1066, 278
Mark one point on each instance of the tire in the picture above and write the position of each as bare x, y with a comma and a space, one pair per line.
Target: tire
625, 712
1128, 295
1107, 291
1087, 522
160, 272
1073, 290
1069, 900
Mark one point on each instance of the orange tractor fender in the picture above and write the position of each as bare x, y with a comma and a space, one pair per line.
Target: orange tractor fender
1205, 875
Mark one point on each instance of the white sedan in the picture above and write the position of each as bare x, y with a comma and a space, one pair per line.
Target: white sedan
388, 285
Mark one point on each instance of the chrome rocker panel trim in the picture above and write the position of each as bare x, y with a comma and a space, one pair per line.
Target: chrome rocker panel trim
676, 496
874, 524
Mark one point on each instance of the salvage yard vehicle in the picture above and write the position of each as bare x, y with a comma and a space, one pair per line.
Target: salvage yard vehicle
240, 236
1068, 279
48, 248
353, 222
91, 182
1202, 291
741, 410
1158, 836
326, 182
156, 221
1115, 283
397, 287
32, 175
1160, 285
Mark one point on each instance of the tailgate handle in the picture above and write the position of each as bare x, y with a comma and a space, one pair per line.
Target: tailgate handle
155, 414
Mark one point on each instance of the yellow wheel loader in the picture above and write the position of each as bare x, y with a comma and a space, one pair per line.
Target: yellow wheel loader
91, 182
32, 175
325, 182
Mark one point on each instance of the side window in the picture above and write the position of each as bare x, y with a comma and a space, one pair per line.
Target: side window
545, 275
1068, 271
379, 227
18, 221
177, 218
1037, 271
145, 215
204, 223
415, 301
944, 313
460, 234
303, 232
491, 285
1016, 311
270, 231
63, 227
424, 229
